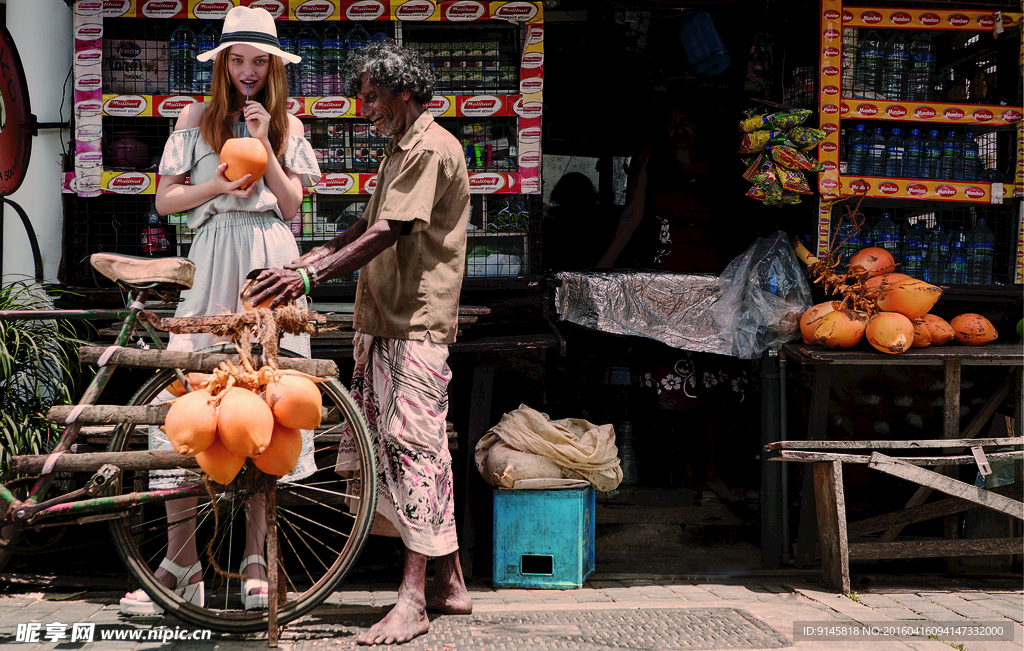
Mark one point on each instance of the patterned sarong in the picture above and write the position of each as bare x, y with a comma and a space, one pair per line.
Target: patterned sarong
401, 387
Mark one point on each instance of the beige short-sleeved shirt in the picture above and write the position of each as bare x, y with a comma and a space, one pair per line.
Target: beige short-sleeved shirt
411, 289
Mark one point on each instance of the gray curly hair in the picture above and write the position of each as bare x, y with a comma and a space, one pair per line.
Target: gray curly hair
391, 66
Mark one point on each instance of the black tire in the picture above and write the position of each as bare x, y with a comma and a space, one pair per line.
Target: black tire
319, 539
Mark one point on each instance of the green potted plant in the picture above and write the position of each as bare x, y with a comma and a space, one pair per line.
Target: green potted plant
38, 369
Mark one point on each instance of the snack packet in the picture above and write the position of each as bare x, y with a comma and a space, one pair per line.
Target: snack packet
795, 159
756, 141
773, 194
756, 192
764, 173
793, 180
780, 120
805, 137
790, 199
791, 118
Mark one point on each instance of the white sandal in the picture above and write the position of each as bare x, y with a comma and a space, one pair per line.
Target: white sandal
139, 603
254, 601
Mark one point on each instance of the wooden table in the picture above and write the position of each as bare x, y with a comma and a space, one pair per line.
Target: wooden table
825, 483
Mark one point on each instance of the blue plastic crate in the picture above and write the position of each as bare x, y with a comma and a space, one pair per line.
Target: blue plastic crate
543, 538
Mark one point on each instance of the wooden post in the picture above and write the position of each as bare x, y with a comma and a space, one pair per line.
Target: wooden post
831, 508
816, 430
478, 423
950, 430
772, 501
272, 566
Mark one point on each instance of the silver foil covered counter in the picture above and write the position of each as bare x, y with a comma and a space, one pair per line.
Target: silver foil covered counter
672, 308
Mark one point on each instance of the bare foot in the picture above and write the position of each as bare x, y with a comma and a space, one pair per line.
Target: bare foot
402, 623
448, 599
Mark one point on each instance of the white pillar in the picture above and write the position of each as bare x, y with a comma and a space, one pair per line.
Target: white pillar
42, 33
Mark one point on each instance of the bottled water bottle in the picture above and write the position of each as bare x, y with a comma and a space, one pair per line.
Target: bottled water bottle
847, 249
897, 64
912, 155
947, 164
970, 155
876, 154
334, 57
894, 150
980, 253
922, 68
182, 59
958, 162
292, 69
857, 151
913, 255
206, 40
956, 261
886, 235
356, 37
934, 261
310, 68
870, 59
932, 156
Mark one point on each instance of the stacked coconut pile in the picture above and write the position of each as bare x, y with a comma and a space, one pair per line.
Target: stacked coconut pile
891, 310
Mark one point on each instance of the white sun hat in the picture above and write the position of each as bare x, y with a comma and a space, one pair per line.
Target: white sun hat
253, 27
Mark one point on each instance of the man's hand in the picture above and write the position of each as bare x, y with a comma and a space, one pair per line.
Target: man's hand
285, 285
314, 255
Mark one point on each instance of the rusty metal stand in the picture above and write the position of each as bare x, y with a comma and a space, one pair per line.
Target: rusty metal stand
272, 565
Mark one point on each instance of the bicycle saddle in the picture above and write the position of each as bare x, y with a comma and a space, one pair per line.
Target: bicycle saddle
145, 273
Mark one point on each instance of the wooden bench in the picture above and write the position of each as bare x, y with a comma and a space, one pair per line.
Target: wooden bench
841, 543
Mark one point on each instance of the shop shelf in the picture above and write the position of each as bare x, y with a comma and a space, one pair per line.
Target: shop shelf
491, 104
118, 181
910, 18
922, 189
930, 112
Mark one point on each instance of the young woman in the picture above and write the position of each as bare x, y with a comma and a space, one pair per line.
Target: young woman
238, 229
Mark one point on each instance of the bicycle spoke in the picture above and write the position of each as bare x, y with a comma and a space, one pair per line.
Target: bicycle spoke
321, 490
317, 523
298, 557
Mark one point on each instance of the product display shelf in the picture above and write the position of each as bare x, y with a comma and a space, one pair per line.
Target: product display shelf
885, 187
835, 104
508, 108
522, 104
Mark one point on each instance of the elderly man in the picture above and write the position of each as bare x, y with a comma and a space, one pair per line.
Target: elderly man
410, 248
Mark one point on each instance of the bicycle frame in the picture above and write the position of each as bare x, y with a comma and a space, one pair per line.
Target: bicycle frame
26, 513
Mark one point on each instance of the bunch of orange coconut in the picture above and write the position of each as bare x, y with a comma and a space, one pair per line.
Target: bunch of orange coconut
891, 310
238, 414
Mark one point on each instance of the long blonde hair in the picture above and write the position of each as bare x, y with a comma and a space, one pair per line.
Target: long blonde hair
216, 128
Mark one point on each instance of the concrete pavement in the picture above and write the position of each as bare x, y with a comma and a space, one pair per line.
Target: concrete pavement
612, 611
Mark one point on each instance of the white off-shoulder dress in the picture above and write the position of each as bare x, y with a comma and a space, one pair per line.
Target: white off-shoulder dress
234, 236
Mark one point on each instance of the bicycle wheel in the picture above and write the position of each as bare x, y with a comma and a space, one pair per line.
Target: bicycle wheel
323, 521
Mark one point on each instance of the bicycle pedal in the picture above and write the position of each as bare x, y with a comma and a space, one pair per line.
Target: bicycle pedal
102, 479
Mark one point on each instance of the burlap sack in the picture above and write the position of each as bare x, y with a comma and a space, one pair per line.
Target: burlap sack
526, 444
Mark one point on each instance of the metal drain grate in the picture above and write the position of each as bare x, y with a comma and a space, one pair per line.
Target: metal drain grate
604, 630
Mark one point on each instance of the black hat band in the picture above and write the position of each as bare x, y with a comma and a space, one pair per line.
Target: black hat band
250, 37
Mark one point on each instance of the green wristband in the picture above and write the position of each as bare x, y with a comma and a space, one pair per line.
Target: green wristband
305, 279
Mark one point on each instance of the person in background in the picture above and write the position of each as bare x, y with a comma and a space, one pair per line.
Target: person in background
670, 203
237, 229
679, 206
574, 224
410, 250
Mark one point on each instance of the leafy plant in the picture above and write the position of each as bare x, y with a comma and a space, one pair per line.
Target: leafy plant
38, 369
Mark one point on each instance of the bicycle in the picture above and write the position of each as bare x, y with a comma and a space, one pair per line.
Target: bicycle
322, 521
